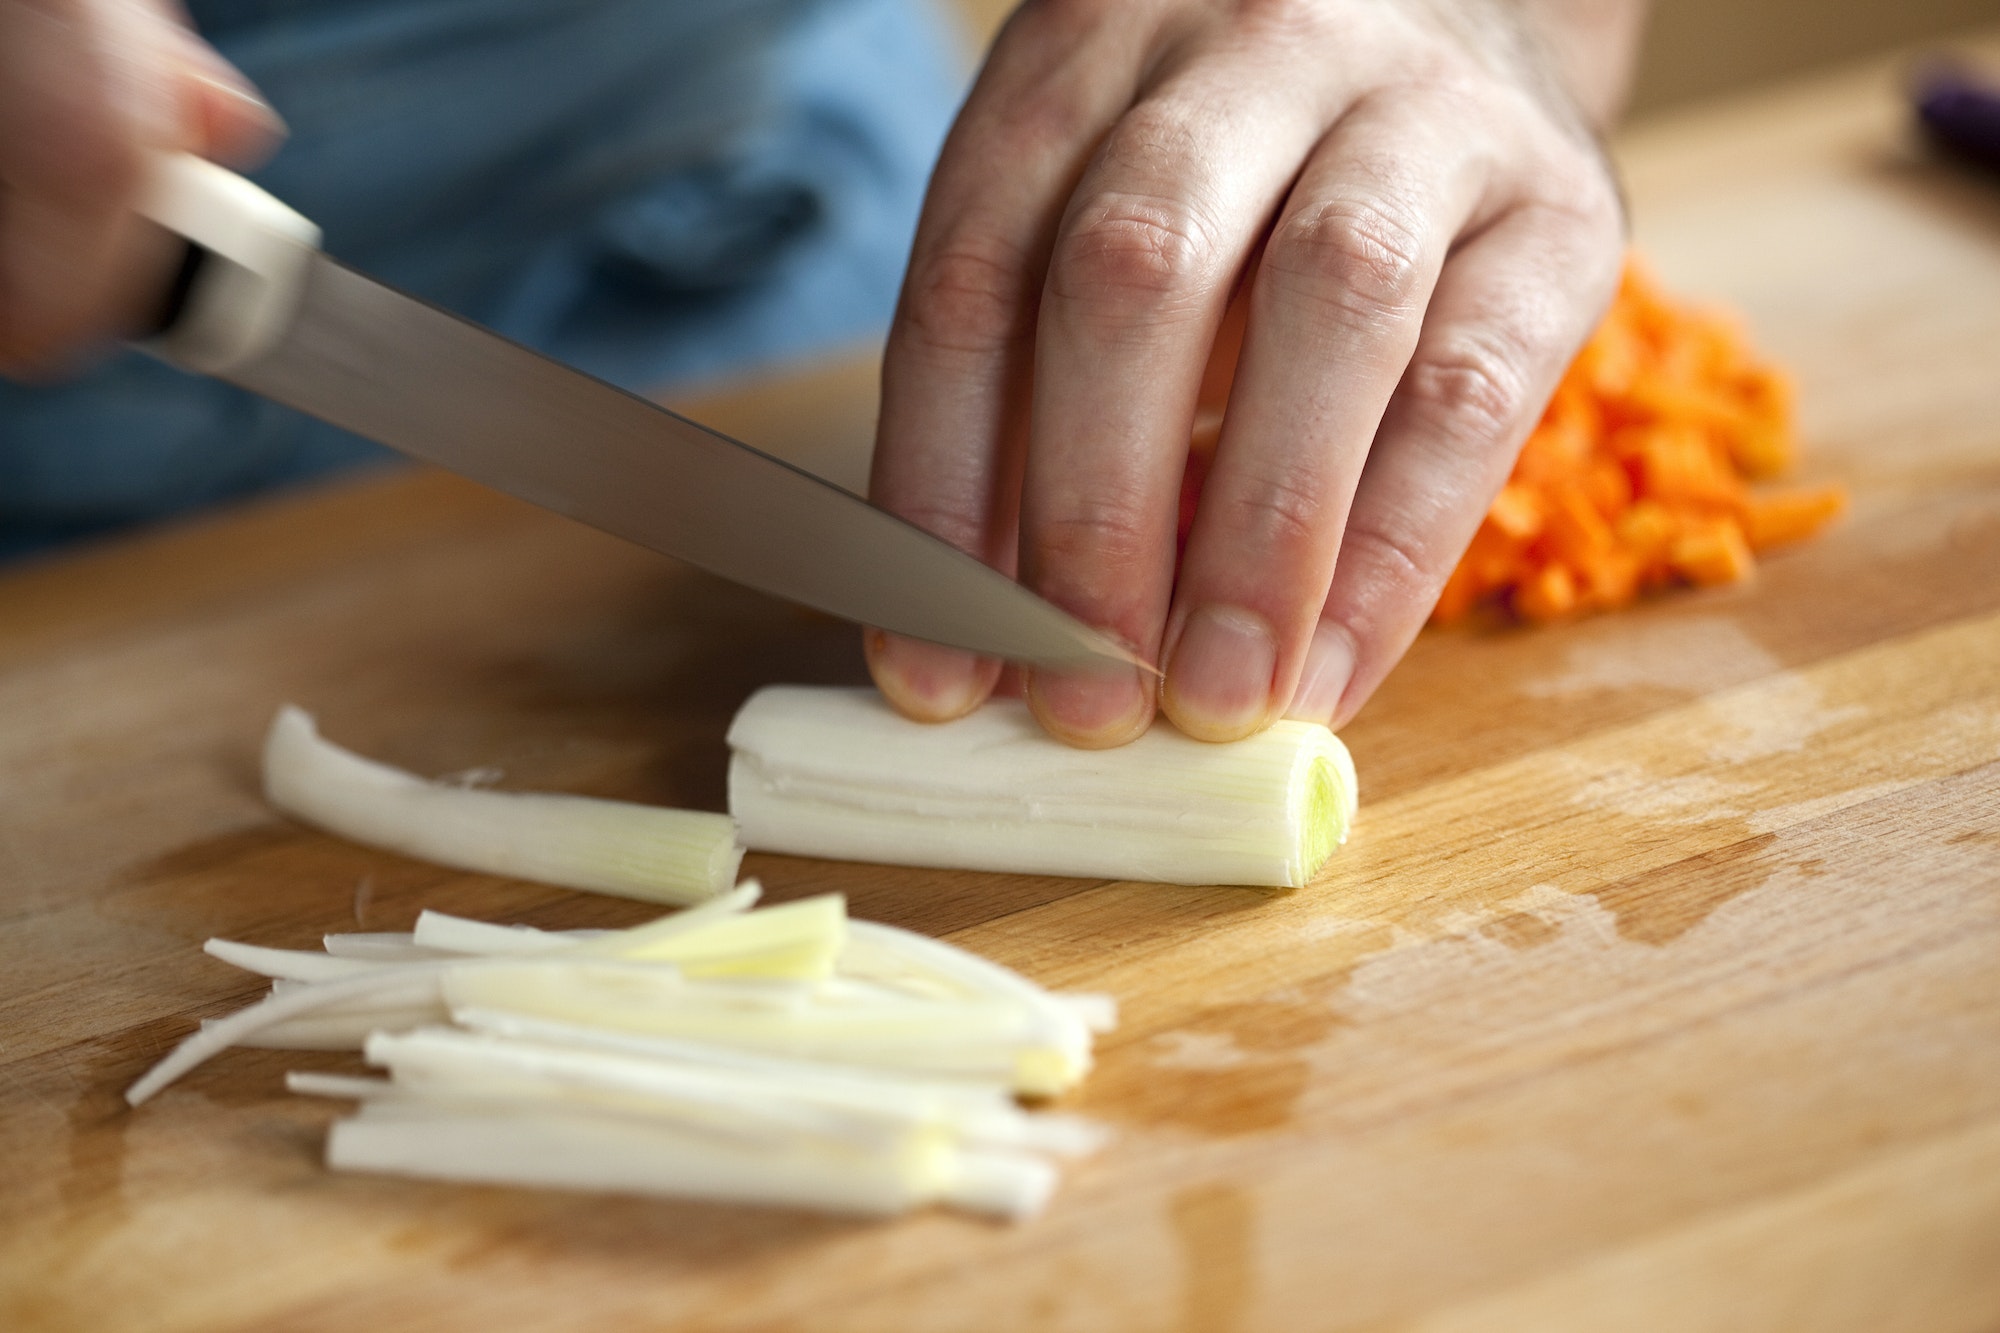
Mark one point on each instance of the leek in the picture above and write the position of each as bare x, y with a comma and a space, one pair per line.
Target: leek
836, 773
786, 1056
636, 851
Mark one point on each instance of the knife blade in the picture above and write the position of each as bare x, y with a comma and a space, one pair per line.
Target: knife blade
260, 306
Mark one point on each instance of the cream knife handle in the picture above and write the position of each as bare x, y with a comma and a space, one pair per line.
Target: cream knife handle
245, 269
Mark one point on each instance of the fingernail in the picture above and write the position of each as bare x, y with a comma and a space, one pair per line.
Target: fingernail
924, 681
1095, 709
1329, 666
248, 102
1219, 677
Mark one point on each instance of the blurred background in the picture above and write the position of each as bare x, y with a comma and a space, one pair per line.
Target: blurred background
1696, 48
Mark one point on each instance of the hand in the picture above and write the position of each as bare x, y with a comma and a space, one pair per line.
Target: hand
87, 87
1438, 232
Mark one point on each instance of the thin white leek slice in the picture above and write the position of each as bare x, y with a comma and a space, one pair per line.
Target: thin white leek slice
771, 1098
311, 1083
339, 1031
797, 941
412, 984
987, 1039
443, 933
805, 1069
378, 947
1097, 1012
1052, 1065
731, 1104
637, 851
286, 964
581, 1150
446, 934
837, 773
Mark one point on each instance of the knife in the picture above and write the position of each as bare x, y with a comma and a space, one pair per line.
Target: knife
257, 304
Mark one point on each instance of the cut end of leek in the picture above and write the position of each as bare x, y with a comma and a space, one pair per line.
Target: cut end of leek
634, 851
837, 773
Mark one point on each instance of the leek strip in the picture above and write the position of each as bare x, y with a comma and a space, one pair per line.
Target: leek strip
314, 1084
1097, 1012
286, 964
769, 1097
1002, 1184
837, 773
446, 934
816, 1071
728, 1103
579, 1150
339, 1031
419, 981
986, 1040
642, 941
637, 851
797, 941
377, 947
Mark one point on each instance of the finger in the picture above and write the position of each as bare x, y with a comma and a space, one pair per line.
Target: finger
229, 120
1149, 250
85, 89
1336, 307
1511, 310
956, 371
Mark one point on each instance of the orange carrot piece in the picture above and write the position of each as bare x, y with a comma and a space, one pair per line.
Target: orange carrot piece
1711, 552
1791, 516
1550, 594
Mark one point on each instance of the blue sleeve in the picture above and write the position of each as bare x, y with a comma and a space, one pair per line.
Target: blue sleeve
656, 192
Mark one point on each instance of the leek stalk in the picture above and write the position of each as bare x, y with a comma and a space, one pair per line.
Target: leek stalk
837, 773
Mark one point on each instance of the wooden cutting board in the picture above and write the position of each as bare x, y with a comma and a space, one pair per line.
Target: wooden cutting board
1659, 987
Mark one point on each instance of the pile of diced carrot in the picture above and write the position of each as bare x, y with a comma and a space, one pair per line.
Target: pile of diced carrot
1637, 476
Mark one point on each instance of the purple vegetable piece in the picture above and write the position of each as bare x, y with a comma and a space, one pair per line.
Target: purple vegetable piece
1961, 114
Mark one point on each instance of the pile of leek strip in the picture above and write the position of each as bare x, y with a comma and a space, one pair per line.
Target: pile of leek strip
783, 1056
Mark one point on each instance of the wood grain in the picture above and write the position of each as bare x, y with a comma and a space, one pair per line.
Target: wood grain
1659, 987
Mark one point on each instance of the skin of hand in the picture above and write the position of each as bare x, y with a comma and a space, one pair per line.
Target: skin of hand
1410, 198
87, 89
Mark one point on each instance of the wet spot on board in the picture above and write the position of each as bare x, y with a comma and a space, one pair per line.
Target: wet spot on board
1660, 905
1269, 1025
1215, 1226
1520, 930
1248, 1097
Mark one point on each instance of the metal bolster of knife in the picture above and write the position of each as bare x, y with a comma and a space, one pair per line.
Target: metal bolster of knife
244, 270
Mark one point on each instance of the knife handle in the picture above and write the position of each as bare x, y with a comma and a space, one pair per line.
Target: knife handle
244, 272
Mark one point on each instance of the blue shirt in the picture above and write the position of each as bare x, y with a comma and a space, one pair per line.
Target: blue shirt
657, 191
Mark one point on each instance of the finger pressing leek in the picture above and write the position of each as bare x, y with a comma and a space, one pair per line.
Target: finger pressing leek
837, 773
578, 842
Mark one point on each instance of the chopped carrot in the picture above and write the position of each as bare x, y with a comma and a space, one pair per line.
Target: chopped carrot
1711, 551
1790, 516
1548, 594
1636, 477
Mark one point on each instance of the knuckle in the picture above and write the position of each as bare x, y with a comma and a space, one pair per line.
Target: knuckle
1365, 259
1276, 514
954, 525
1128, 256
969, 293
1106, 531
1469, 384
1399, 562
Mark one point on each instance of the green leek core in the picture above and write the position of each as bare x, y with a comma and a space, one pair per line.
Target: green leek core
1320, 827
